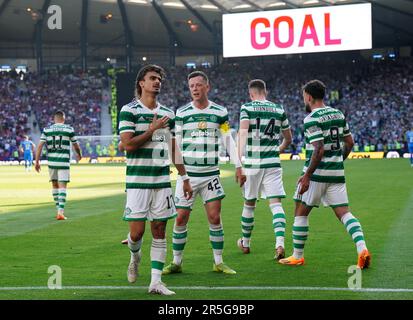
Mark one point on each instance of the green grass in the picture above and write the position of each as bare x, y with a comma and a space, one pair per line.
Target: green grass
88, 250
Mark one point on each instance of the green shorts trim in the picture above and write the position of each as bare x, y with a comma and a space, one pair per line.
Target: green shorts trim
308, 206
217, 198
182, 207
339, 205
274, 197
144, 219
134, 219
165, 219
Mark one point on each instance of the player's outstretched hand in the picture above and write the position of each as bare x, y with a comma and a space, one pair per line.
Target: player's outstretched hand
37, 167
158, 123
240, 178
187, 189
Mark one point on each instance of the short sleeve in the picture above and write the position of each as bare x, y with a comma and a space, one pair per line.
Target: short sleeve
172, 128
73, 137
244, 114
346, 130
284, 122
126, 120
312, 130
43, 136
224, 126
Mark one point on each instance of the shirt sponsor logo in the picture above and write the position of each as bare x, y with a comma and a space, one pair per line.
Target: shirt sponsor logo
196, 134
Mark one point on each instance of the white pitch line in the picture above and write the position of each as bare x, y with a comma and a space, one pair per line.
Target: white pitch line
267, 288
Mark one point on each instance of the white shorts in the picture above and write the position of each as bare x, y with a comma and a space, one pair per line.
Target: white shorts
149, 204
329, 194
267, 181
209, 188
62, 175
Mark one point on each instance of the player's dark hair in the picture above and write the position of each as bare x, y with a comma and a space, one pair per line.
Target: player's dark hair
142, 73
316, 89
59, 113
198, 74
257, 84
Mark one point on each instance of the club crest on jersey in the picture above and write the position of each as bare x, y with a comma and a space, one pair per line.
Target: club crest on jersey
202, 125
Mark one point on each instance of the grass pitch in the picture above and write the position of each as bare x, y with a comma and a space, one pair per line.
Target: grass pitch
93, 262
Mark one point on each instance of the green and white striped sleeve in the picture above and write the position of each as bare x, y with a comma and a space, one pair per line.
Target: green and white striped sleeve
312, 130
244, 114
172, 126
284, 122
346, 130
126, 120
72, 136
224, 124
43, 136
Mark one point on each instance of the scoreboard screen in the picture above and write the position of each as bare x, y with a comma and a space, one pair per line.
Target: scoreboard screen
320, 29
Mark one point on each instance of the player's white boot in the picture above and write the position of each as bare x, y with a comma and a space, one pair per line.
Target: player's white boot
133, 269
160, 288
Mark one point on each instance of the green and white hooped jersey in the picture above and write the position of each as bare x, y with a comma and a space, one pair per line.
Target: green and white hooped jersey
199, 131
147, 167
58, 137
266, 120
329, 125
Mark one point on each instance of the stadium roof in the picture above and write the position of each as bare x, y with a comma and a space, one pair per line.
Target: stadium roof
189, 23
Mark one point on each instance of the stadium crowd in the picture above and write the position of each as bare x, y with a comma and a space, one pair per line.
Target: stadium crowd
79, 95
376, 97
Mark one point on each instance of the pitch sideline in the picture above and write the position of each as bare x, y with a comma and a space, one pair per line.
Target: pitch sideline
206, 288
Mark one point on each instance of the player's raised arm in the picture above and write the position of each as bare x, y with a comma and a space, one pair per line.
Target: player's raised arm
38, 153
132, 143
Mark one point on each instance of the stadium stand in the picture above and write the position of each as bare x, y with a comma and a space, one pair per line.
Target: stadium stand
78, 95
377, 97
